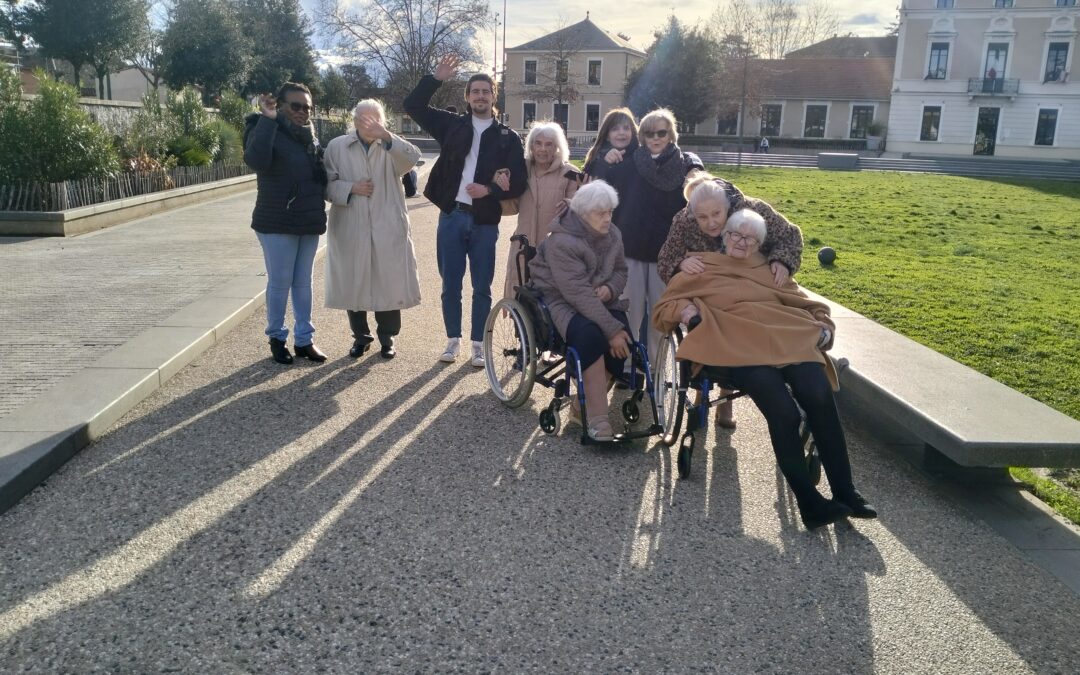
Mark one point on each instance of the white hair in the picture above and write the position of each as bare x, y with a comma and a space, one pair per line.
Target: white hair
373, 105
750, 219
550, 130
651, 120
703, 186
595, 196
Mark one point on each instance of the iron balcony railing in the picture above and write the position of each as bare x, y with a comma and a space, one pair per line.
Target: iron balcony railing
993, 86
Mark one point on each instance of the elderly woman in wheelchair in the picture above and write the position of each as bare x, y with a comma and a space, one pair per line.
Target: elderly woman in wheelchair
768, 342
567, 302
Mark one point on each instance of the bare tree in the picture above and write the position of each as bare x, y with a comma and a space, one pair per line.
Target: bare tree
775, 27
404, 39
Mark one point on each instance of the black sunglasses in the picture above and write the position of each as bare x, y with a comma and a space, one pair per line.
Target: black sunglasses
297, 107
659, 133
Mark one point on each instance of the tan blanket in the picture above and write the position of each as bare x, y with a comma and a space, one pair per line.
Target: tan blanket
745, 319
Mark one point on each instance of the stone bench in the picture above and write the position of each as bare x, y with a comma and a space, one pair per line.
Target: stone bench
970, 419
838, 161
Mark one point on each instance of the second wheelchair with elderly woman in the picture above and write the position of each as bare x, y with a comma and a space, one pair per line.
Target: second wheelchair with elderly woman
567, 302
767, 340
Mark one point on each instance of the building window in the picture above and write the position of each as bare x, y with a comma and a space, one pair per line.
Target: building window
815, 121
528, 114
1066, 3
561, 114
861, 117
944, 4
1044, 130
592, 117
770, 119
727, 124
931, 122
1003, 3
562, 71
594, 71
530, 72
1055, 61
939, 61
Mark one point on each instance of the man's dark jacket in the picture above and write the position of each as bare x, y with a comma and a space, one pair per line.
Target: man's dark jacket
500, 148
289, 175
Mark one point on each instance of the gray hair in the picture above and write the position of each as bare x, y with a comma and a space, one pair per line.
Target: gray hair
372, 105
595, 196
650, 122
750, 219
703, 186
550, 130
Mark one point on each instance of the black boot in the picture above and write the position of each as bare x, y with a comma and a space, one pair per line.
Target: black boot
280, 351
359, 348
823, 512
310, 352
860, 508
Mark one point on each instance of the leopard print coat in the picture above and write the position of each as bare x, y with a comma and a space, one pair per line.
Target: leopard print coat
783, 240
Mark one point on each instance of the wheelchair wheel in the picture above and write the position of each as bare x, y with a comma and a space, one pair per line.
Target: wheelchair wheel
631, 412
550, 421
810, 451
510, 353
670, 405
686, 455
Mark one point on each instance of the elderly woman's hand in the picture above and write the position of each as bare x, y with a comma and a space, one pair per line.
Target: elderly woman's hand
371, 127
364, 188
604, 293
502, 179
692, 265
688, 312
781, 274
620, 345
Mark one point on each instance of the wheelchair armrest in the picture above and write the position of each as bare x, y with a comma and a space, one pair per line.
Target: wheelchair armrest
694, 322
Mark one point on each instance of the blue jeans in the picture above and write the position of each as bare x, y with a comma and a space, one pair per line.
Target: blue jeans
289, 261
460, 239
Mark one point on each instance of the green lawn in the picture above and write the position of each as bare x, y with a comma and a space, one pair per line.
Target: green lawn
984, 271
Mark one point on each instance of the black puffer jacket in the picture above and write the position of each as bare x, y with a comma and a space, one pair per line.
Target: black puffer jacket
645, 212
290, 178
500, 148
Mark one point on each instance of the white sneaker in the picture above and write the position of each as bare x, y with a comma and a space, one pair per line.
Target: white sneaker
477, 354
453, 346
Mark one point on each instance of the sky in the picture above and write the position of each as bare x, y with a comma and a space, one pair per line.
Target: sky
530, 19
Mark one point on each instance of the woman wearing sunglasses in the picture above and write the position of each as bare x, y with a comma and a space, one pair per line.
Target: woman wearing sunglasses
650, 185
290, 214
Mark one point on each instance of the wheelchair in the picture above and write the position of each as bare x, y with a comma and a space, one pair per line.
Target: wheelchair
522, 347
674, 381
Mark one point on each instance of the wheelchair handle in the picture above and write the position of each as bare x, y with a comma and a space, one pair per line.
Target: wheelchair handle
520, 239
694, 322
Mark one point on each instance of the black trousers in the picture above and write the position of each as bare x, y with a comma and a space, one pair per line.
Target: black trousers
389, 325
810, 387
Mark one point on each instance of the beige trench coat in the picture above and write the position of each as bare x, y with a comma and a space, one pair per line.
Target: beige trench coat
370, 262
538, 206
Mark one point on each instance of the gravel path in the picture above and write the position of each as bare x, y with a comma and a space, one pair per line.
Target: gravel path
365, 516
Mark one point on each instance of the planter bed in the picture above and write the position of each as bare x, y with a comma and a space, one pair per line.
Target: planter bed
89, 218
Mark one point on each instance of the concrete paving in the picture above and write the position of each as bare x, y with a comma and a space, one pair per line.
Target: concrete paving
371, 515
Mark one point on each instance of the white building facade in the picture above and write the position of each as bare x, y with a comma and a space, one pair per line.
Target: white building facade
987, 77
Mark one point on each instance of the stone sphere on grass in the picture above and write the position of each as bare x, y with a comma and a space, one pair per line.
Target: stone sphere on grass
826, 255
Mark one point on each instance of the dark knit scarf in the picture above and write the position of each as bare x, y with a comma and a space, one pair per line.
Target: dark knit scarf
666, 173
306, 137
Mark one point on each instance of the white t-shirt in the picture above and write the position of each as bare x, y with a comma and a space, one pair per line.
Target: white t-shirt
469, 171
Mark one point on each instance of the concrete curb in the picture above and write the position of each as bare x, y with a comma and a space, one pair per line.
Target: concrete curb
99, 216
38, 437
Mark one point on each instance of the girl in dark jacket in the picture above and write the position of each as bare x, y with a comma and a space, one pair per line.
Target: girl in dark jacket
290, 214
650, 183
616, 141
